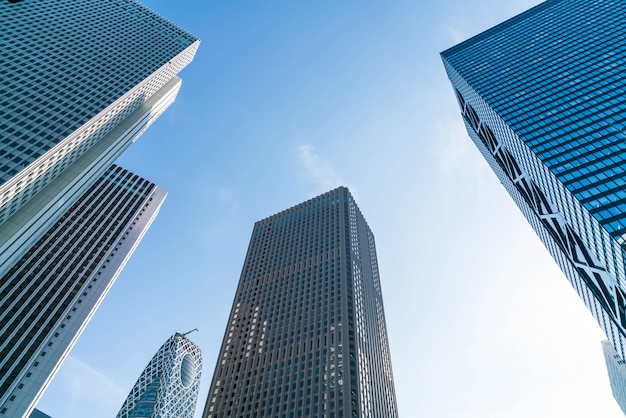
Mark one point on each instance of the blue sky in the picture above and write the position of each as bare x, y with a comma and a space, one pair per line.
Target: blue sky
286, 100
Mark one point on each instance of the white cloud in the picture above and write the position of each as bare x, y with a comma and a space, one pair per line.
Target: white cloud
456, 35
319, 171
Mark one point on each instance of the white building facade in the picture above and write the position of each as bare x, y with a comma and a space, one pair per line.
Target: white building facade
168, 386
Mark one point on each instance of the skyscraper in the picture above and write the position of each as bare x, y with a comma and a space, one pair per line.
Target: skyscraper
542, 97
616, 368
306, 334
49, 295
79, 82
168, 386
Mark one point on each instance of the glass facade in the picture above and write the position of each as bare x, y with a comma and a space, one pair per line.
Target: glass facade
306, 336
168, 386
542, 96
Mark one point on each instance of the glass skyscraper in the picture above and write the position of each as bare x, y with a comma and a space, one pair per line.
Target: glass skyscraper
306, 336
79, 82
168, 386
543, 98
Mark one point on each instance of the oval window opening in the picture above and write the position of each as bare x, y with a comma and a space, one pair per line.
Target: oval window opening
186, 371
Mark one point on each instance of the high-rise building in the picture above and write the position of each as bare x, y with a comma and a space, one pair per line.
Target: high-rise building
79, 82
616, 367
542, 97
49, 295
306, 336
168, 386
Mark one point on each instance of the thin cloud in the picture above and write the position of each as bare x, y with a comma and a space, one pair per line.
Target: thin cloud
101, 393
319, 171
456, 35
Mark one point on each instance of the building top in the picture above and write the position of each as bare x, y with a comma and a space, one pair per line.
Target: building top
554, 75
495, 29
168, 386
302, 205
330, 196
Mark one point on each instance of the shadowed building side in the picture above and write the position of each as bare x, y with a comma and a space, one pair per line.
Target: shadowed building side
306, 334
48, 297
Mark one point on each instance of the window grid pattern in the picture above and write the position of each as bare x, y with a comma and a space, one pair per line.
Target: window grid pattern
560, 88
290, 345
52, 290
525, 87
376, 389
59, 97
168, 386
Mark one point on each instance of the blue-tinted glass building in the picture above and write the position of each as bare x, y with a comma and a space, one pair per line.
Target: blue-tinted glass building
168, 386
543, 98
307, 336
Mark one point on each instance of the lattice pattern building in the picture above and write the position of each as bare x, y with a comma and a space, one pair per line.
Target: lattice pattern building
306, 334
168, 386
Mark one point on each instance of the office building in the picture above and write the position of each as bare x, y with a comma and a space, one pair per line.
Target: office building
49, 295
616, 368
79, 82
168, 386
306, 336
542, 97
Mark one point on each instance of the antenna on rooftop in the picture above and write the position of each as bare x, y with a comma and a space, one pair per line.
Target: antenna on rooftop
189, 332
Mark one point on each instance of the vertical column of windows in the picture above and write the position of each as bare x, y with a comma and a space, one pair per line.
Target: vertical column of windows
38, 291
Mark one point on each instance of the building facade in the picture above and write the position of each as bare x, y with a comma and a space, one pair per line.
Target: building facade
306, 336
79, 83
616, 368
542, 97
168, 386
49, 295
